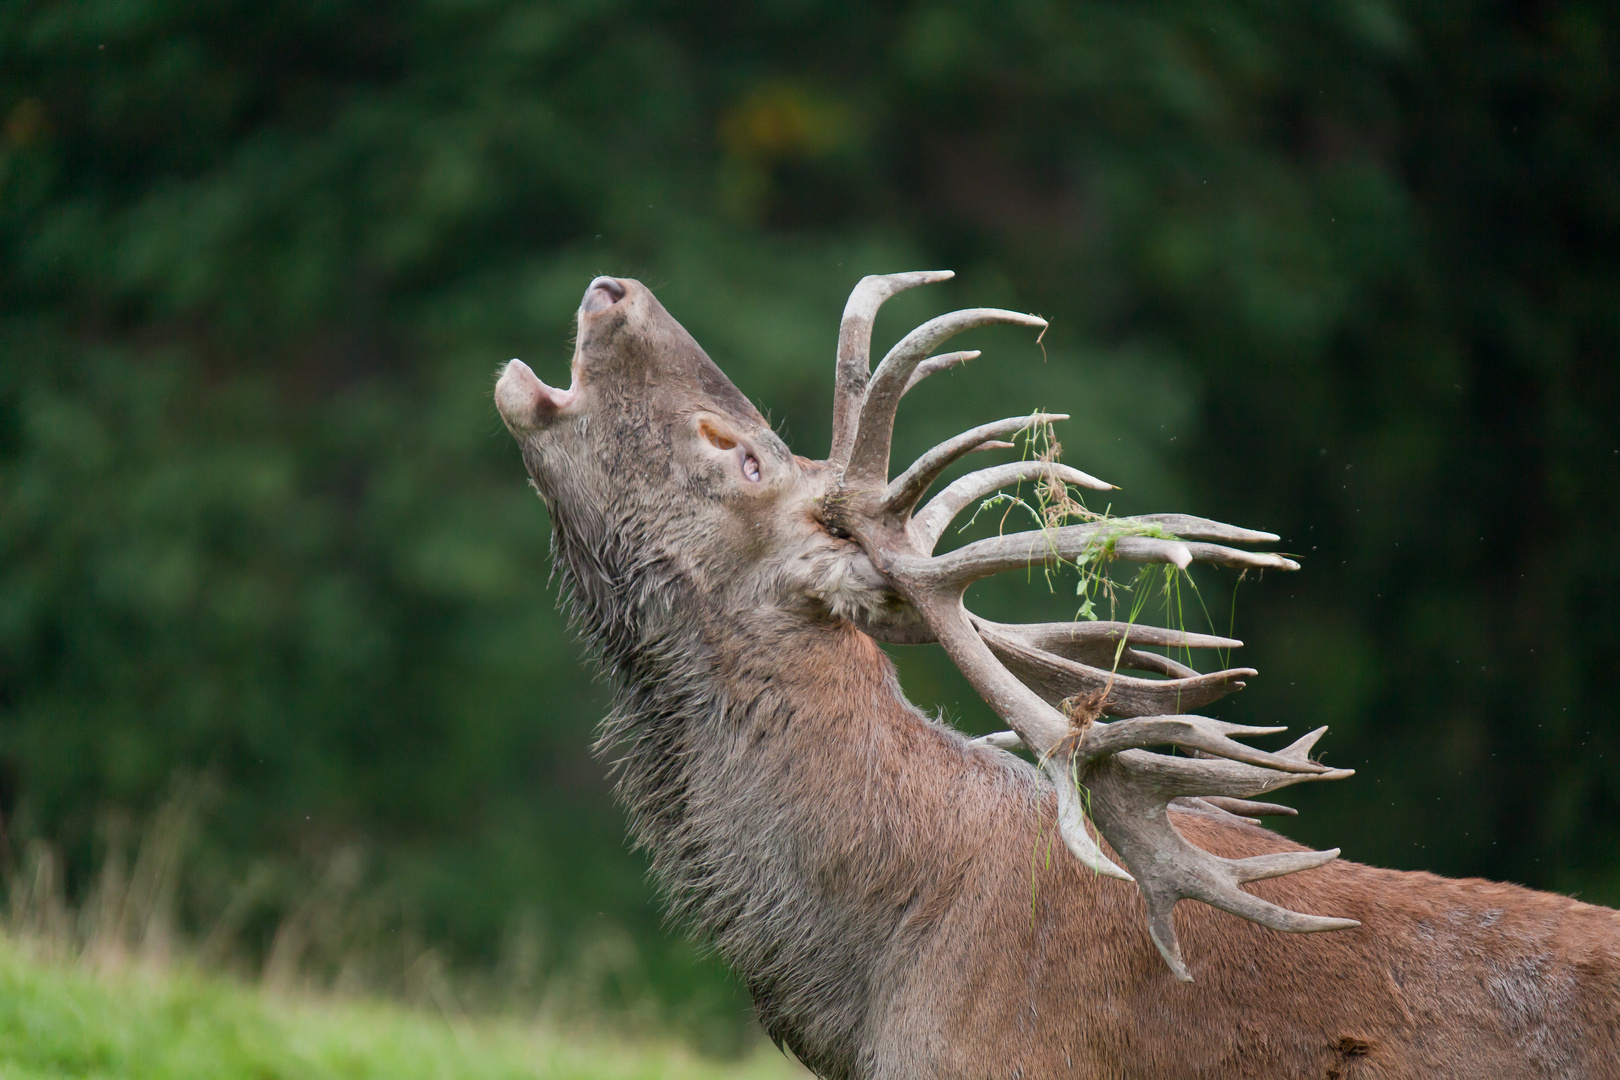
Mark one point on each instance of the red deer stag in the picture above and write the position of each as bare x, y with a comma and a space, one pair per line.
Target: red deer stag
867, 870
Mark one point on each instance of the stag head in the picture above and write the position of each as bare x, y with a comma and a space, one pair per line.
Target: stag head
657, 470
655, 467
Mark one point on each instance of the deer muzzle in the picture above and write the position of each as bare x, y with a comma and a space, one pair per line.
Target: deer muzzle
601, 294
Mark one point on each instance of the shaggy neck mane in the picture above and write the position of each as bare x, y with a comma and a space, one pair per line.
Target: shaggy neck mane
802, 817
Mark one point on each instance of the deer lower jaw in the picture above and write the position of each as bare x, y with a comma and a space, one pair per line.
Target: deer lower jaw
526, 403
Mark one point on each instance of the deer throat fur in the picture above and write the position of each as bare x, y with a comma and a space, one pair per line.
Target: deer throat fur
794, 814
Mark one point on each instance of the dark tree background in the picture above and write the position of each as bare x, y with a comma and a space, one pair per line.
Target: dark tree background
1349, 271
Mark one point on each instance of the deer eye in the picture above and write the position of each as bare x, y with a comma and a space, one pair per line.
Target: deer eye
836, 533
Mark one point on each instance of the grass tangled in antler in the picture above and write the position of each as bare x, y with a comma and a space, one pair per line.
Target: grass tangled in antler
1052, 504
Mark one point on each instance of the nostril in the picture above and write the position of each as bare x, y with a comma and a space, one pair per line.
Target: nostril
603, 293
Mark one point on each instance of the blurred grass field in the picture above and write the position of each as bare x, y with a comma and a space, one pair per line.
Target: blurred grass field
142, 1021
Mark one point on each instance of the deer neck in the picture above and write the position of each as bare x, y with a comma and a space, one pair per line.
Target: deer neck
794, 806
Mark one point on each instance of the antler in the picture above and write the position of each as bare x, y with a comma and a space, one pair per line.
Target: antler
854, 349
1052, 682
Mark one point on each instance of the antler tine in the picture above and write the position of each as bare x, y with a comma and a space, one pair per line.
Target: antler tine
942, 362
1194, 733
1214, 553
1129, 793
855, 345
929, 524
1248, 807
909, 486
869, 460
1041, 547
1072, 639
1072, 825
1188, 527
1108, 644
1057, 678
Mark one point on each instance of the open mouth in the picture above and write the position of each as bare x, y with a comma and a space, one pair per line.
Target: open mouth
525, 402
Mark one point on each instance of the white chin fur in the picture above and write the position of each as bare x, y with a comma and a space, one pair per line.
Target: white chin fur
849, 585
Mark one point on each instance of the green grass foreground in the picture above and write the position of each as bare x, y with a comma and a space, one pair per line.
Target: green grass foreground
62, 1021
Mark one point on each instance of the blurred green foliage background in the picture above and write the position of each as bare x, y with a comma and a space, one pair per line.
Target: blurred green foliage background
1345, 270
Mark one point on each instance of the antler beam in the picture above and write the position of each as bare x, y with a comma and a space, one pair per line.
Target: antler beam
1053, 682
855, 347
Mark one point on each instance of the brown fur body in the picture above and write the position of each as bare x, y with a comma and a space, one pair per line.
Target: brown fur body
995, 960
882, 885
